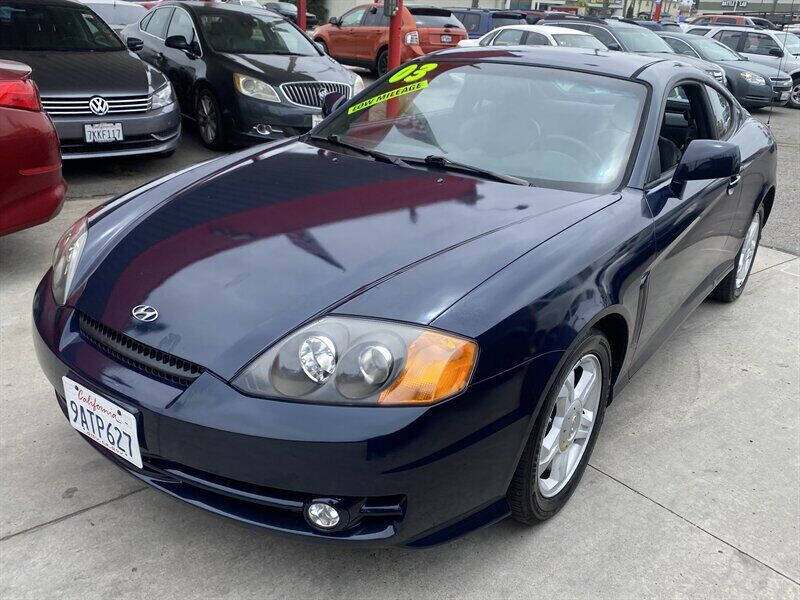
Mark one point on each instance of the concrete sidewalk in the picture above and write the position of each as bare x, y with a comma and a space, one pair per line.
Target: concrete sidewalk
693, 489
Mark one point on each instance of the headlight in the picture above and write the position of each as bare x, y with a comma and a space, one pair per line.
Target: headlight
358, 86
753, 78
255, 88
346, 360
164, 97
65, 259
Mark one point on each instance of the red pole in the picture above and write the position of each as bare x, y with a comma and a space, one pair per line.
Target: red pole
301, 14
395, 36
657, 11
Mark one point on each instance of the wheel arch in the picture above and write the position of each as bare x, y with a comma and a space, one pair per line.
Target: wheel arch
201, 84
381, 48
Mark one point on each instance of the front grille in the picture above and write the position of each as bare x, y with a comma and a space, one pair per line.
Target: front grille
152, 361
120, 105
311, 93
780, 84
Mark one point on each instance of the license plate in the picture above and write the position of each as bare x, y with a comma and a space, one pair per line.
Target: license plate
102, 133
446, 39
316, 120
785, 96
104, 422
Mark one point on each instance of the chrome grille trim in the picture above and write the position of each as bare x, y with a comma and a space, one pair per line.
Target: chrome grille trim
306, 93
55, 106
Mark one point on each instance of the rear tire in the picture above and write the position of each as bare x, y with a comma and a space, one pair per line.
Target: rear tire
565, 430
382, 62
730, 288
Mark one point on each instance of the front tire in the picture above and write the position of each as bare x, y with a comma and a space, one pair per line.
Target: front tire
794, 94
730, 288
209, 120
564, 434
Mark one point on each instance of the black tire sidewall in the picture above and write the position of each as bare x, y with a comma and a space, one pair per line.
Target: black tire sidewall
217, 143
380, 60
594, 343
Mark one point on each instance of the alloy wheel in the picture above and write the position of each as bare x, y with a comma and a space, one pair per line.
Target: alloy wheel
570, 425
795, 95
207, 119
748, 251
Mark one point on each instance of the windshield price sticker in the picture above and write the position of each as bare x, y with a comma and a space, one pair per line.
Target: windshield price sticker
406, 89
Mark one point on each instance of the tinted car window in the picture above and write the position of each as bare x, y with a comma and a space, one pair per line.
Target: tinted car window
723, 113
509, 37
471, 21
571, 111
571, 40
699, 30
714, 50
725, 21
503, 20
729, 38
375, 19
433, 18
671, 27
353, 18
181, 24
243, 33
55, 28
537, 39
680, 46
157, 25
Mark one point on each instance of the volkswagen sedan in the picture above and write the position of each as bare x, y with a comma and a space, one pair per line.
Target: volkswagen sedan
408, 323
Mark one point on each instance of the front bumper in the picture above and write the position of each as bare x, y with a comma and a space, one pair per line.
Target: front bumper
154, 132
415, 476
251, 117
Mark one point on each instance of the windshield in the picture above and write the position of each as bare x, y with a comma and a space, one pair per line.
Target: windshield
790, 40
243, 33
60, 28
574, 40
639, 39
576, 131
714, 50
119, 13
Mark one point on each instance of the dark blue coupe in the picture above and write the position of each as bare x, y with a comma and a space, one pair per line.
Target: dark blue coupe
408, 323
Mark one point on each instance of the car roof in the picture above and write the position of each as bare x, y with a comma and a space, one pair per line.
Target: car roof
51, 2
615, 64
550, 29
609, 23
204, 6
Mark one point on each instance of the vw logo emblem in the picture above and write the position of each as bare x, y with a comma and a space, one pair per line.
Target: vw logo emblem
98, 105
144, 313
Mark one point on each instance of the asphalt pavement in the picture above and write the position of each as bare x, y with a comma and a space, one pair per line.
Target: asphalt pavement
693, 489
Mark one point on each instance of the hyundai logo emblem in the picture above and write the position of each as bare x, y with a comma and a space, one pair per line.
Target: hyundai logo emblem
144, 313
98, 105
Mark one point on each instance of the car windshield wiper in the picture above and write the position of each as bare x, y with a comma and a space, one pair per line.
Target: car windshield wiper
337, 141
445, 163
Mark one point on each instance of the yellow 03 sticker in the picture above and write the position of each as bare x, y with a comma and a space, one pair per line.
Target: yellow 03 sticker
406, 89
412, 73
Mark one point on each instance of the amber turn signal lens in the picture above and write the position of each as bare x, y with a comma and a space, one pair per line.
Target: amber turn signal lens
437, 367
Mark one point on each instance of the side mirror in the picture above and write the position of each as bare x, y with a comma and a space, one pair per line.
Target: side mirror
335, 21
134, 44
776, 52
331, 102
178, 42
706, 159
614, 46
320, 47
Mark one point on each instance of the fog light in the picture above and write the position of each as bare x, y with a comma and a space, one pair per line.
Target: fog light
322, 515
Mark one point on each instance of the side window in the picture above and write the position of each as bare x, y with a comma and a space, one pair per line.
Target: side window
536, 39
703, 21
759, 43
723, 113
509, 37
488, 39
143, 23
726, 21
375, 18
679, 46
353, 18
157, 25
729, 38
602, 35
471, 22
181, 24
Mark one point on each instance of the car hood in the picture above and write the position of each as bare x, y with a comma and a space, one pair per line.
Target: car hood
758, 68
236, 260
88, 73
278, 69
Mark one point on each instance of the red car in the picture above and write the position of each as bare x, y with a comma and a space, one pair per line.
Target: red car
360, 37
31, 186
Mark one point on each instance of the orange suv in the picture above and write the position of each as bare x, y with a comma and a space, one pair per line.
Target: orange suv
360, 37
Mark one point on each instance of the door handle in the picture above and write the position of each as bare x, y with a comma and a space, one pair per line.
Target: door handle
734, 181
